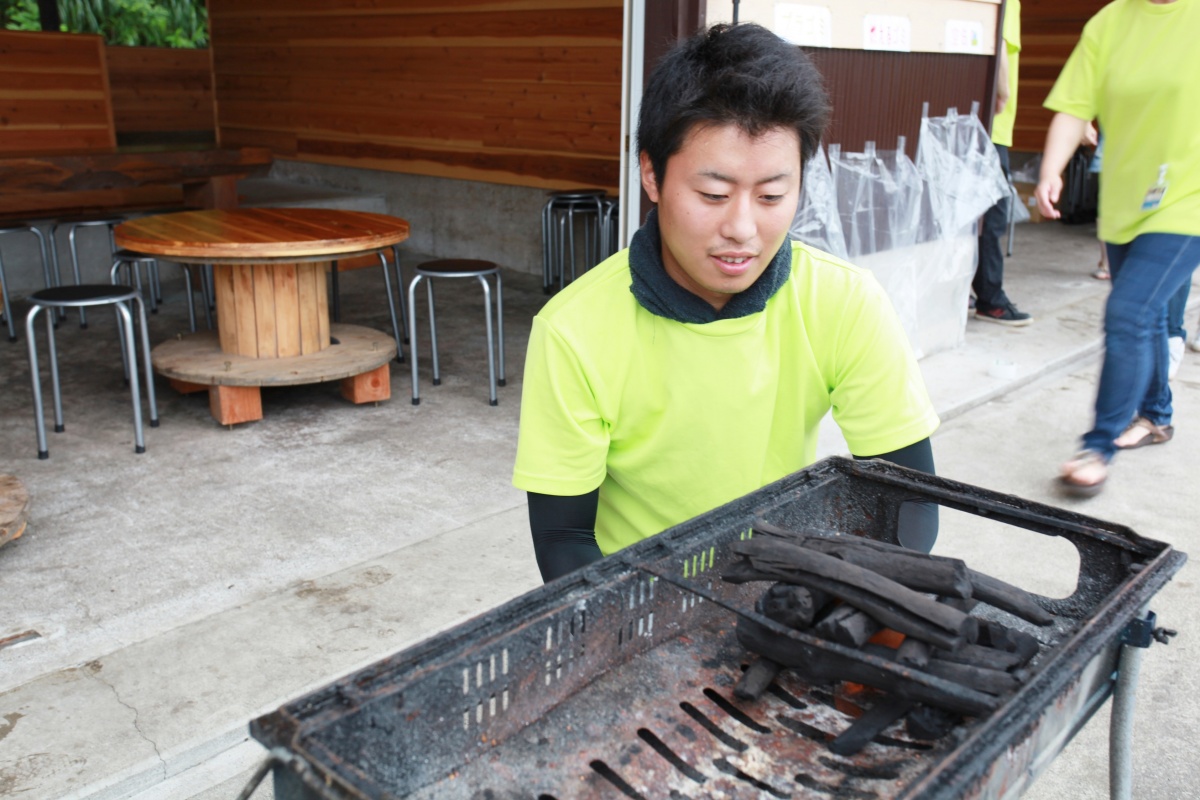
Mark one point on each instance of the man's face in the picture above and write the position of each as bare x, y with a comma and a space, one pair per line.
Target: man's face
725, 206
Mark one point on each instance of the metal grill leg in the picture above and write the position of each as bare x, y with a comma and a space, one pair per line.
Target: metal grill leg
1120, 730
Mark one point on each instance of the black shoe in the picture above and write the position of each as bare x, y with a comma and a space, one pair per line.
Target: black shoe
1005, 315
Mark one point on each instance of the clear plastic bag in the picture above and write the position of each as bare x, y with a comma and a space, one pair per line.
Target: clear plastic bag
817, 223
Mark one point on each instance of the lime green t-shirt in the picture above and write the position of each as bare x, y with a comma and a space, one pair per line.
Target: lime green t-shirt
1137, 69
673, 419
1002, 123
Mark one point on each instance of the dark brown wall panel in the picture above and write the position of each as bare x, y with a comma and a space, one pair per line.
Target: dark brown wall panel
877, 96
521, 92
160, 89
54, 95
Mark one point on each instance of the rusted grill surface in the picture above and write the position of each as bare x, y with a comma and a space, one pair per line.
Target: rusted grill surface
618, 682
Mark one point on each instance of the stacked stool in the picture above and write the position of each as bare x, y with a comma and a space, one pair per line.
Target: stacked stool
20, 227
566, 216
458, 268
80, 297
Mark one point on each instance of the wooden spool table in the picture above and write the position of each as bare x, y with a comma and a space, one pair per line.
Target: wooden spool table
273, 329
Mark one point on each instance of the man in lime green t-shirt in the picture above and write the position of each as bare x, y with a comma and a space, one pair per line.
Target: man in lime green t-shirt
695, 366
991, 303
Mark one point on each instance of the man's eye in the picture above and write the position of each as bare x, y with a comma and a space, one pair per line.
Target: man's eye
713, 197
772, 198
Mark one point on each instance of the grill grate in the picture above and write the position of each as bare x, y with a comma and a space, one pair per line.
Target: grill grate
618, 682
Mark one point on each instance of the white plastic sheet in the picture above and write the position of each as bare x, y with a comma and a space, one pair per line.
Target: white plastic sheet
913, 224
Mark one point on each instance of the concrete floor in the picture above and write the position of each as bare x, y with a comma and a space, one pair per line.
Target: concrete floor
181, 592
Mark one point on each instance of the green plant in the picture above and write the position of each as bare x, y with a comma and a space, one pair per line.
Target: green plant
151, 23
20, 15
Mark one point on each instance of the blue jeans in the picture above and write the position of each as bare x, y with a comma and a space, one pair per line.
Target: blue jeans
1175, 308
1133, 381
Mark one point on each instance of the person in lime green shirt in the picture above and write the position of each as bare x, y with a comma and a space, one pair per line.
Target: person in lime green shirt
991, 302
695, 366
1135, 70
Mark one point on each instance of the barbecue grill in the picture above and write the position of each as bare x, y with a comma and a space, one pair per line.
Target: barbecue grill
617, 681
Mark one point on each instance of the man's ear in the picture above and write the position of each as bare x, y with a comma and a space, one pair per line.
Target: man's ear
648, 181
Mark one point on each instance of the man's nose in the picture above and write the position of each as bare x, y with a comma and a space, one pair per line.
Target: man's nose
738, 224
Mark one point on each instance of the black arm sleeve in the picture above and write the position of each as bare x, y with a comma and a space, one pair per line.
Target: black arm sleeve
564, 532
918, 527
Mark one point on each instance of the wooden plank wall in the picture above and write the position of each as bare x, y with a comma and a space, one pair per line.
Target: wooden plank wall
1049, 31
54, 94
516, 92
877, 96
160, 89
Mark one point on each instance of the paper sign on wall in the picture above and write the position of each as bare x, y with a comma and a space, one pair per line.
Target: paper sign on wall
963, 36
885, 32
807, 25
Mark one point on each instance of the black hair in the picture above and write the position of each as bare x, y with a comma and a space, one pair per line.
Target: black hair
741, 75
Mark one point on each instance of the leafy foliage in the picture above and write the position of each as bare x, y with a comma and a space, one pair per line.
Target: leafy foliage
150, 23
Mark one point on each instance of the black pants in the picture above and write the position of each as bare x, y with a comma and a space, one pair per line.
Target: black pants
989, 274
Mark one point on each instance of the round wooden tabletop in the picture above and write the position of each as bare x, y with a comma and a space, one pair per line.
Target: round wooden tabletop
248, 235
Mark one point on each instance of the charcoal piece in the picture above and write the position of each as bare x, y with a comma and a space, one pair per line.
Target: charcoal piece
929, 723
1008, 598
818, 663
980, 656
793, 606
918, 571
913, 653
847, 625
1009, 640
981, 679
889, 709
756, 679
891, 604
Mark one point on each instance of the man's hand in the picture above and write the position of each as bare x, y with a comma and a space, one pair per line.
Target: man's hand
1048, 190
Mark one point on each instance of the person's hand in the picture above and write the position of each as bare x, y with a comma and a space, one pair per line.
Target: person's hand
1047, 193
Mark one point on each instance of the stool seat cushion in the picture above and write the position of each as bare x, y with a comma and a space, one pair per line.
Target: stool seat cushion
128, 255
81, 221
456, 268
87, 294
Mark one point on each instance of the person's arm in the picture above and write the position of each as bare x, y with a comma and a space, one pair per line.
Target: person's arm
918, 528
1062, 140
564, 532
1002, 79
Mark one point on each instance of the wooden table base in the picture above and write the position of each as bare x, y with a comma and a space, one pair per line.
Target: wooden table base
194, 363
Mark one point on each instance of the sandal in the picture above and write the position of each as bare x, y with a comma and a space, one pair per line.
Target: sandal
1101, 274
1147, 433
1084, 475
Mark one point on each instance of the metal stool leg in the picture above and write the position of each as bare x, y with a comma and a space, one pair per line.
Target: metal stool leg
190, 296
387, 285
113, 275
208, 292
55, 384
500, 323
75, 268
437, 375
487, 313
39, 416
149, 367
8, 319
412, 335
139, 441
400, 291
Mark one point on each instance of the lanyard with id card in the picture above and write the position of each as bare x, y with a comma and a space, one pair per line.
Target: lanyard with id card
1154, 195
